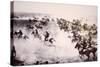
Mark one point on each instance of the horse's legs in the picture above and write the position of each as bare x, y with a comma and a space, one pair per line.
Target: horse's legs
94, 56
88, 55
81, 56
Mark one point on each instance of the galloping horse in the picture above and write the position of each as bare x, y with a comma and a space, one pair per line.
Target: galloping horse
25, 37
46, 36
18, 34
88, 51
30, 27
51, 40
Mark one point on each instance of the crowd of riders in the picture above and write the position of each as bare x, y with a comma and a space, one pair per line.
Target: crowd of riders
86, 44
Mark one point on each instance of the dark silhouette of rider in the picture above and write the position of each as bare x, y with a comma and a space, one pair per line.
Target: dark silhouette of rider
20, 34
51, 40
46, 36
13, 55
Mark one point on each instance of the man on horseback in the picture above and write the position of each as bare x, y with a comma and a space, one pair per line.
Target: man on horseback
20, 34
46, 36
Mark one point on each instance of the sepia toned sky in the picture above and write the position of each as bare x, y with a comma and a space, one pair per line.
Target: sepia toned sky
60, 10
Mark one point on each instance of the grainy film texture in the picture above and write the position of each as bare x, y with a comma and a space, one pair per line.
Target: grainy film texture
50, 33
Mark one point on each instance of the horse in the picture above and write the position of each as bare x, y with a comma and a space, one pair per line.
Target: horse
30, 27
44, 21
18, 34
46, 36
75, 36
38, 26
51, 40
25, 37
36, 33
35, 19
87, 52
93, 50
78, 45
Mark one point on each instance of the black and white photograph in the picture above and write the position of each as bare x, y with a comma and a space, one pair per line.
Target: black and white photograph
52, 33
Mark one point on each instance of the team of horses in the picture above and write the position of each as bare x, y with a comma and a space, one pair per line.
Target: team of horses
85, 46
35, 25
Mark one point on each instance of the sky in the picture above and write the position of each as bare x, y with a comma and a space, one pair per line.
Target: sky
57, 9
